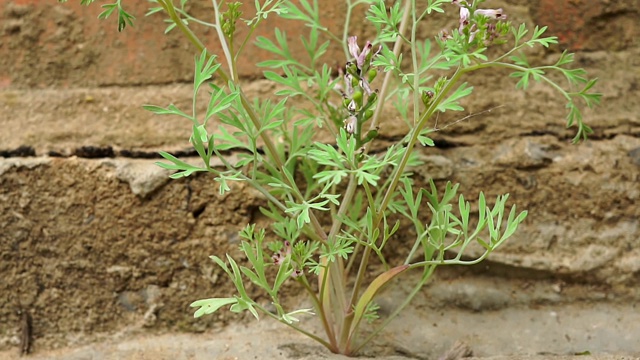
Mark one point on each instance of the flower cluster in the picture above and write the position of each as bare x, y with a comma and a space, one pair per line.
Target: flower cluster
278, 258
357, 83
284, 253
490, 31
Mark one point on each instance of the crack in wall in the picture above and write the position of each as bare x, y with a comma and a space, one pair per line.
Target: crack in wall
108, 151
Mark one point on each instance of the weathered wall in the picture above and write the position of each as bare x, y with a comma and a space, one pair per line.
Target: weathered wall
44, 43
96, 239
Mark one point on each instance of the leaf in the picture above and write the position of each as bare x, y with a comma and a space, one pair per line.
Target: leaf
564, 59
284, 272
242, 305
153, 10
209, 306
520, 32
346, 143
109, 8
198, 139
253, 277
171, 110
436, 6
387, 60
204, 69
290, 319
325, 154
177, 164
378, 13
218, 103
220, 263
290, 81
333, 177
451, 103
372, 290
424, 139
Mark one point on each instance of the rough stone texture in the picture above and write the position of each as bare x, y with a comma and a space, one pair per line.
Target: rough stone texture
66, 45
591, 25
95, 242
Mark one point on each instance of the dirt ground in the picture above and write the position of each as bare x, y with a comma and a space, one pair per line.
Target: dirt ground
103, 253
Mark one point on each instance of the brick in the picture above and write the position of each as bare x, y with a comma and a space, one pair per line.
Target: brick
44, 43
590, 24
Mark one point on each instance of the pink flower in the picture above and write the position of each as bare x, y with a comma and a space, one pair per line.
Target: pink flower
354, 49
296, 273
472, 32
464, 18
348, 84
465, 15
360, 56
444, 35
277, 258
491, 13
280, 256
364, 84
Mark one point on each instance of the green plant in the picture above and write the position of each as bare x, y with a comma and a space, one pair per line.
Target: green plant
332, 227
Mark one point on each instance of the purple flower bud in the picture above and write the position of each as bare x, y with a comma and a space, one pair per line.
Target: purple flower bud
277, 258
364, 84
348, 84
444, 35
472, 32
350, 124
287, 249
296, 273
352, 106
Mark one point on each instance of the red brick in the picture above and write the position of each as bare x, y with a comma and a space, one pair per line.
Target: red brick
44, 43
590, 24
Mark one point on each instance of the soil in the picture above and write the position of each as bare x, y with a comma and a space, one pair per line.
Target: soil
101, 254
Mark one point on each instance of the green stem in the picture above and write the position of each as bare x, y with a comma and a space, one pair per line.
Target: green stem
337, 286
455, 261
316, 304
256, 185
520, 68
193, 19
352, 259
425, 276
416, 245
395, 179
345, 30
412, 142
375, 119
223, 44
346, 328
296, 328
414, 61
167, 5
271, 150
244, 42
367, 191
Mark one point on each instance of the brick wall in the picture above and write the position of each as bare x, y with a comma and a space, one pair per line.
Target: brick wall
44, 43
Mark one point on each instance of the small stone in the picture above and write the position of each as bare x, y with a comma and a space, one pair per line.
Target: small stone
143, 177
434, 167
635, 156
523, 154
